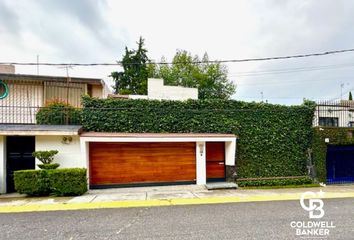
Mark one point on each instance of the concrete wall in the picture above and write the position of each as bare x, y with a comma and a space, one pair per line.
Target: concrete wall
2, 164
69, 153
158, 91
8, 69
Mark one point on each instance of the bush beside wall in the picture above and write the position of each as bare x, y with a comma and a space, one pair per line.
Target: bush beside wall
60, 182
275, 182
57, 112
337, 136
68, 182
272, 139
32, 182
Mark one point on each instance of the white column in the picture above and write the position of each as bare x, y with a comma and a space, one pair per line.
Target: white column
85, 158
201, 163
2, 164
230, 152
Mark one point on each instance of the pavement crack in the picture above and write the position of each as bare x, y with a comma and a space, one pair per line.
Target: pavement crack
195, 195
134, 220
93, 198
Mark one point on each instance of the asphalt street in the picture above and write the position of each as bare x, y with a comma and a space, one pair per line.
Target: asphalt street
258, 220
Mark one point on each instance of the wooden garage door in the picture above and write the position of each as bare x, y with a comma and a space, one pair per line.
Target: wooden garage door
122, 163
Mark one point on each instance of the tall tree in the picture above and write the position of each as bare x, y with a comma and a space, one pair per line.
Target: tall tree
191, 71
350, 96
133, 78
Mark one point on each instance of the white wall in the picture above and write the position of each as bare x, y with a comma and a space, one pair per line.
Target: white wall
200, 153
158, 91
2, 165
344, 114
69, 154
106, 90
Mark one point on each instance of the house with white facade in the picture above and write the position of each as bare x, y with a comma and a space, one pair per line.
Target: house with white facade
334, 114
112, 159
21, 97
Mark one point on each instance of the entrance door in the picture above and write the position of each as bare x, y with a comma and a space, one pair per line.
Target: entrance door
215, 161
340, 163
19, 157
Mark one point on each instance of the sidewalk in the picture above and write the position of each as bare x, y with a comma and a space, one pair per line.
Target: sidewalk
160, 196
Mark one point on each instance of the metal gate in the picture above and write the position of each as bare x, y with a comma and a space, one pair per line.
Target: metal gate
340, 164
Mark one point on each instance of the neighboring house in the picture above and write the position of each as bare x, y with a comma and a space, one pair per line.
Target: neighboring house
158, 91
21, 96
27, 93
111, 158
334, 114
338, 116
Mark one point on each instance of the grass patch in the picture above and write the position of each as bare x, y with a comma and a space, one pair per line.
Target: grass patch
284, 186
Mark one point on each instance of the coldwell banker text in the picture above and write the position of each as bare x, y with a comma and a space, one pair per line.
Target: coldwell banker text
312, 228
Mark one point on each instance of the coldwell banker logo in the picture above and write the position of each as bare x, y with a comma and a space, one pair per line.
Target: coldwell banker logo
314, 205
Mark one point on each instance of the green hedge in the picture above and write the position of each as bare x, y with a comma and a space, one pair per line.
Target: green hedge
275, 182
57, 112
337, 136
272, 139
68, 182
32, 182
59, 182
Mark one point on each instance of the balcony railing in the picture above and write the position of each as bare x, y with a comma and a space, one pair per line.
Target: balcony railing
39, 115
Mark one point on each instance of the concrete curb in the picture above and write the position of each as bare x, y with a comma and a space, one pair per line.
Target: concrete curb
161, 202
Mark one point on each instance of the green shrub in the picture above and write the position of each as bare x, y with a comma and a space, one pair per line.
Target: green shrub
68, 182
32, 182
274, 182
272, 139
45, 157
60, 182
58, 112
48, 166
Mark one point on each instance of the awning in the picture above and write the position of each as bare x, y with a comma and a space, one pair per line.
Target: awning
39, 130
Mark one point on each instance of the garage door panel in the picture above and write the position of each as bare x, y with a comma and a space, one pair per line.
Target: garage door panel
121, 163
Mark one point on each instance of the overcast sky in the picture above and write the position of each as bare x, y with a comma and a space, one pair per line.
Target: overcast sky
89, 31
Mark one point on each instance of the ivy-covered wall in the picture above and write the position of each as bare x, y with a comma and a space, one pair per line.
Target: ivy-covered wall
272, 139
336, 136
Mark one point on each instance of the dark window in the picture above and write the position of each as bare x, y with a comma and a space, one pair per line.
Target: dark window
328, 121
351, 124
89, 90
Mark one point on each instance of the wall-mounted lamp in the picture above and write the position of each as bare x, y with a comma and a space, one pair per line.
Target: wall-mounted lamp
67, 140
201, 149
